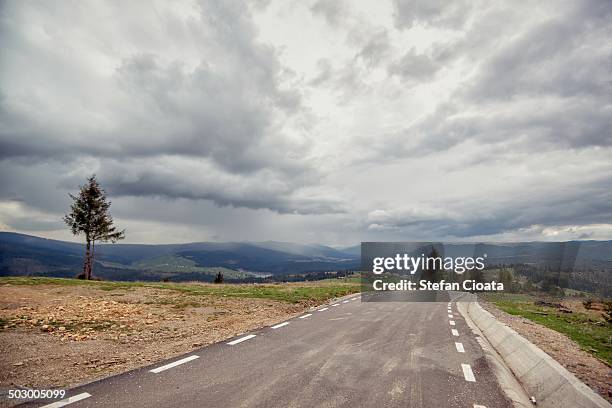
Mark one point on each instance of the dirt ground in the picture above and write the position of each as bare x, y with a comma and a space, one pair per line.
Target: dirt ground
60, 336
590, 370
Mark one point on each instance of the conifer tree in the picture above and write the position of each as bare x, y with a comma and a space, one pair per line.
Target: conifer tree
219, 278
89, 216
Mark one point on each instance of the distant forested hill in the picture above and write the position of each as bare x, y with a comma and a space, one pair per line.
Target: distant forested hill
28, 255
587, 263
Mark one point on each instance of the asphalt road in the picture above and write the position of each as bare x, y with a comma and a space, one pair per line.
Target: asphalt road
346, 354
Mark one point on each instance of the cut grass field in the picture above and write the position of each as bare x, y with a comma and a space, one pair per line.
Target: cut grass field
295, 292
588, 328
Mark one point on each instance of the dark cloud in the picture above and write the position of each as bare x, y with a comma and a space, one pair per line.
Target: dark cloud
263, 190
562, 57
223, 110
547, 88
547, 208
222, 103
414, 67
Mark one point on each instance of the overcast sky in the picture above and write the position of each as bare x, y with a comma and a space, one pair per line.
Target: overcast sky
310, 121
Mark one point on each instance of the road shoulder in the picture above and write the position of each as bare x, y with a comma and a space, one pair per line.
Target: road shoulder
587, 368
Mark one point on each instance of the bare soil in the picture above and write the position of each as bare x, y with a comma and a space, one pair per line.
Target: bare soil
589, 369
61, 336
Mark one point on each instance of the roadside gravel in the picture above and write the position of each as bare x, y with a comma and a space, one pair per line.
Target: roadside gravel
590, 370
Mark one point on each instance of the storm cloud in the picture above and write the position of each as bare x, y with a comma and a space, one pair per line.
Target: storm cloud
318, 121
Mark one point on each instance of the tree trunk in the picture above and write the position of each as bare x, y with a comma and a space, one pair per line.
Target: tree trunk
92, 258
87, 264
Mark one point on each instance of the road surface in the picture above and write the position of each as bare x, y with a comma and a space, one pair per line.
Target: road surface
344, 354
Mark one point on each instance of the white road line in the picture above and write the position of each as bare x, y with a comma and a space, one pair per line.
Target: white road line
450, 315
459, 347
177, 362
479, 406
278, 326
324, 309
355, 298
452, 322
455, 332
345, 301
67, 401
467, 373
305, 316
336, 304
240, 340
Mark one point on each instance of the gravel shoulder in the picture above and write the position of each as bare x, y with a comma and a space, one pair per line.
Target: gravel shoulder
589, 369
61, 336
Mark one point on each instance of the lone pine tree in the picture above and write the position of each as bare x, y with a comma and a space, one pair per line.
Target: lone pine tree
89, 216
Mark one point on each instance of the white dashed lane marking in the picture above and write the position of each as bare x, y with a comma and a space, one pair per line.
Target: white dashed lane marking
450, 315
459, 347
336, 304
324, 309
305, 316
67, 401
278, 326
479, 406
455, 332
467, 373
174, 364
452, 322
345, 301
240, 340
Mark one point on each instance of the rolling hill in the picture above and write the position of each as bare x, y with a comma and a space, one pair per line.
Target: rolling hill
28, 255
588, 262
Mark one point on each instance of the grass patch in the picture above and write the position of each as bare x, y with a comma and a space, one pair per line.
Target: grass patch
589, 330
318, 291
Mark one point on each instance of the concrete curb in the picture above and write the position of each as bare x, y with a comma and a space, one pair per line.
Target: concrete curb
541, 376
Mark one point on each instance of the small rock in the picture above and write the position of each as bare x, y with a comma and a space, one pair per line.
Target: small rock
62, 328
18, 364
